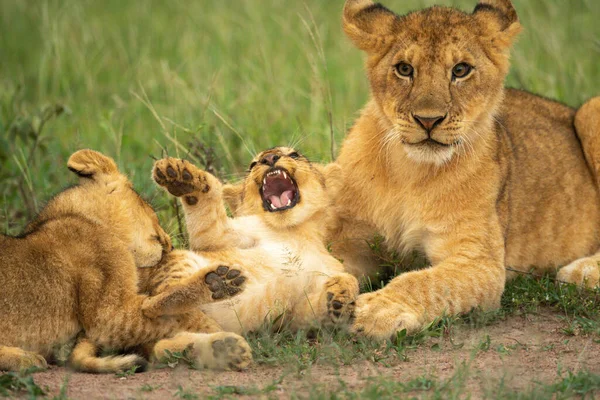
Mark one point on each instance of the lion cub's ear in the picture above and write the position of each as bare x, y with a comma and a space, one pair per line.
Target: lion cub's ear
370, 25
500, 18
91, 164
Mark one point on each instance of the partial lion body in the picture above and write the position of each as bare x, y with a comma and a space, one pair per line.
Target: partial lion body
292, 280
547, 196
477, 177
73, 272
286, 280
551, 212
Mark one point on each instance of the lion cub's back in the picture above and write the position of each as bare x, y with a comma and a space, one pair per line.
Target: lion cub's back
553, 206
31, 319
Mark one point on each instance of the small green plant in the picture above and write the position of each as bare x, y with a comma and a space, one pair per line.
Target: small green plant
582, 383
185, 394
62, 395
20, 383
485, 343
173, 359
149, 388
128, 372
502, 349
580, 308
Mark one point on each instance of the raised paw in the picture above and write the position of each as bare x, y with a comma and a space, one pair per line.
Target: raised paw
231, 351
342, 292
379, 317
181, 178
584, 272
225, 282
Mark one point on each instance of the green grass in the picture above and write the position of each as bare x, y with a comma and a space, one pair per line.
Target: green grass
137, 79
237, 76
20, 383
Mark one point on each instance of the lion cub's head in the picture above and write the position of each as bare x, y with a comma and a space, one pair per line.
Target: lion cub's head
437, 74
107, 197
285, 188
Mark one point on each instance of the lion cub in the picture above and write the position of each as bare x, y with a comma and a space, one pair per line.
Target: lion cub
278, 242
445, 160
73, 271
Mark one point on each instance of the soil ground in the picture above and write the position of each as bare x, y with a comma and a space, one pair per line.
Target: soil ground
514, 355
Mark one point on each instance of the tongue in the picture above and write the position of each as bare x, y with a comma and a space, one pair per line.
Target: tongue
281, 201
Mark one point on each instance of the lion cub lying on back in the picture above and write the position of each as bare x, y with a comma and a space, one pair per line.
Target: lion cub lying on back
73, 272
278, 243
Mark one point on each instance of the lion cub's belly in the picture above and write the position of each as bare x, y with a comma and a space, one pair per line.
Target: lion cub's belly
280, 274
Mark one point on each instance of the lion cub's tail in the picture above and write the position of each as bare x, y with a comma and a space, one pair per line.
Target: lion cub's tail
83, 358
587, 125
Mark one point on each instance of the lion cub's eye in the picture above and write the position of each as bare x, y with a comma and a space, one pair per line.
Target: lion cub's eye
252, 165
294, 155
461, 70
404, 70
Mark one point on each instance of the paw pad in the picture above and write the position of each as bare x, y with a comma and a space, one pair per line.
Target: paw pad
177, 176
340, 308
224, 282
234, 353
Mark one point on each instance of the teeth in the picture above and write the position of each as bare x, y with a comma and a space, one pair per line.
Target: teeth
264, 181
273, 207
289, 202
277, 172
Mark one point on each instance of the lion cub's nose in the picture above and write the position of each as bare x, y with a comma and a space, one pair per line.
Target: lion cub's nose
270, 159
428, 123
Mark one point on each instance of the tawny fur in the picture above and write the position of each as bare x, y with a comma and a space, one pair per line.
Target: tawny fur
291, 279
506, 184
74, 270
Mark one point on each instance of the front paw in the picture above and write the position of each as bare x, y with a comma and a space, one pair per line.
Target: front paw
230, 351
225, 282
584, 272
379, 317
342, 292
181, 178
218, 351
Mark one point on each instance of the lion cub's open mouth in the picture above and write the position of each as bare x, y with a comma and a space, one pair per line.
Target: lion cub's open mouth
279, 191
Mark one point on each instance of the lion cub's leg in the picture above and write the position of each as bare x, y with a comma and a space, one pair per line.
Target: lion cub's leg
221, 350
201, 196
16, 359
184, 280
176, 296
584, 272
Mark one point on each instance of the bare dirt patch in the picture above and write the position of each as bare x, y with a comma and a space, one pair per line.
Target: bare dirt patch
517, 353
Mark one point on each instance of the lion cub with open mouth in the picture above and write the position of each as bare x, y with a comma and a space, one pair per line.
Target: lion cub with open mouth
277, 241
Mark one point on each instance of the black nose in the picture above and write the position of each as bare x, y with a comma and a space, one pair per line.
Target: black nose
428, 123
270, 159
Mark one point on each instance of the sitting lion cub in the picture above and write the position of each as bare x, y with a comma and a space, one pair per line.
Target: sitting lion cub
278, 242
73, 272
444, 160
